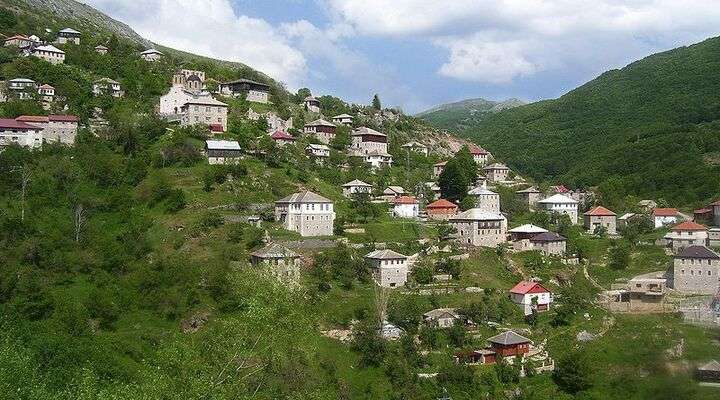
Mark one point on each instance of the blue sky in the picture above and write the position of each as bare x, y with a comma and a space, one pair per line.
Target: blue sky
420, 53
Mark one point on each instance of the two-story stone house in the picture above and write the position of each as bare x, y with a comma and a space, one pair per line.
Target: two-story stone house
601, 217
696, 270
323, 130
485, 199
205, 110
560, 204
279, 261
306, 213
253, 91
686, 234
389, 268
529, 196
497, 172
477, 227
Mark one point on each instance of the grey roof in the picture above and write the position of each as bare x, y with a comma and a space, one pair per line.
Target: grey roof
275, 250
478, 214
70, 31
318, 146
385, 255
206, 101
698, 252
531, 189
22, 80
481, 191
394, 189
713, 365
222, 145
508, 338
547, 237
342, 116
496, 166
414, 144
558, 199
107, 80
364, 130
320, 122
246, 81
304, 197
357, 182
194, 77
49, 48
152, 51
439, 312
528, 228
311, 98
101, 47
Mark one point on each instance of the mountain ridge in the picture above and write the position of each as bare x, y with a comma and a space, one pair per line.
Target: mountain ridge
457, 115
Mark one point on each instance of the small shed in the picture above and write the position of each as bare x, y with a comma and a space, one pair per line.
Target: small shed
223, 151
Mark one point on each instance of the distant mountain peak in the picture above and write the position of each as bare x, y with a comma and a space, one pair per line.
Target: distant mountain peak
456, 115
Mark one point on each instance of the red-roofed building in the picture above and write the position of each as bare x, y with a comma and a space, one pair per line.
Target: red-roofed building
406, 207
282, 138
601, 218
55, 128
686, 234
560, 189
531, 295
479, 154
18, 41
441, 209
665, 216
19, 133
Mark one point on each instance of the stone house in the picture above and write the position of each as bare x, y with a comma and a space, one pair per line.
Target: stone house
312, 104
529, 196
561, 204
253, 91
22, 88
601, 217
435, 189
686, 234
274, 122
392, 192
695, 271
318, 152
171, 102
68, 35
282, 138
714, 237
479, 154
416, 147
356, 186
406, 207
441, 210
646, 293
223, 151
100, 49
665, 216
107, 86
716, 212
521, 235
306, 213
366, 140
623, 220
323, 131
708, 372
19, 133
47, 52
280, 262
204, 110
20, 41
151, 55
47, 93
55, 128
377, 159
344, 119
485, 199
389, 268
549, 243
442, 318
476, 227
438, 169
531, 296
497, 172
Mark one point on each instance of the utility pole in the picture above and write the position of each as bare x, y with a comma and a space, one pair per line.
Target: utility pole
25, 176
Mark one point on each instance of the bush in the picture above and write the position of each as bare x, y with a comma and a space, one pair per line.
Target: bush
211, 219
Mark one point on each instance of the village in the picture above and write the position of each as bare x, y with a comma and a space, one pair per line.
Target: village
500, 238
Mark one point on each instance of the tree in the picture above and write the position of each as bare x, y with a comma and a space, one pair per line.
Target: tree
573, 373
453, 182
619, 257
376, 102
302, 93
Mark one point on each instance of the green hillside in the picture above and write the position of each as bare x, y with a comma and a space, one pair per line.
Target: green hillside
650, 129
460, 115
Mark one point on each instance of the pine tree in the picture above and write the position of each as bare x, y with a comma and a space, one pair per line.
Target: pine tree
376, 102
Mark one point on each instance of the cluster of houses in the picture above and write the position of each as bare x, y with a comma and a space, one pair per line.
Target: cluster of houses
34, 130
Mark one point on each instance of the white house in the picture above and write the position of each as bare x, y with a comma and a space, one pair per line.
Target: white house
318, 152
312, 104
377, 159
46, 92
22, 88
389, 268
356, 186
560, 204
531, 295
479, 154
107, 86
151, 55
100, 49
68, 35
306, 213
665, 216
19, 133
406, 207
485, 199
345, 119
223, 151
416, 147
49, 53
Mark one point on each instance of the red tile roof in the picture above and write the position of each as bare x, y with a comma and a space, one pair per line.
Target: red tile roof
9, 123
477, 150
526, 287
560, 189
442, 203
406, 200
64, 118
32, 118
665, 212
600, 211
689, 226
280, 135
21, 37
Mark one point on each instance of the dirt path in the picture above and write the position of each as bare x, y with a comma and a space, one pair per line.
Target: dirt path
590, 278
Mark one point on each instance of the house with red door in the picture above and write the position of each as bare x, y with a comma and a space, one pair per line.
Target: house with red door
530, 295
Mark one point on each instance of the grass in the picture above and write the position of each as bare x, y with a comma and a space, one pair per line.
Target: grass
486, 270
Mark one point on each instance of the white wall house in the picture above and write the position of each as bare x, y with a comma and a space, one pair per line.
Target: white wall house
253, 91
223, 151
356, 186
68, 35
665, 216
19, 133
389, 268
485, 199
345, 119
151, 55
531, 295
306, 213
406, 207
562, 205
312, 104
318, 152
107, 86
49, 53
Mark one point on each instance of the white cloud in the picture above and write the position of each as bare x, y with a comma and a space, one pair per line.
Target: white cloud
495, 41
211, 28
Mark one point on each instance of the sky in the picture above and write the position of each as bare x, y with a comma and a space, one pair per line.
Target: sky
420, 53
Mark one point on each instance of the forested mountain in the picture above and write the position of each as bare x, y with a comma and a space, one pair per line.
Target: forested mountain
649, 129
460, 115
